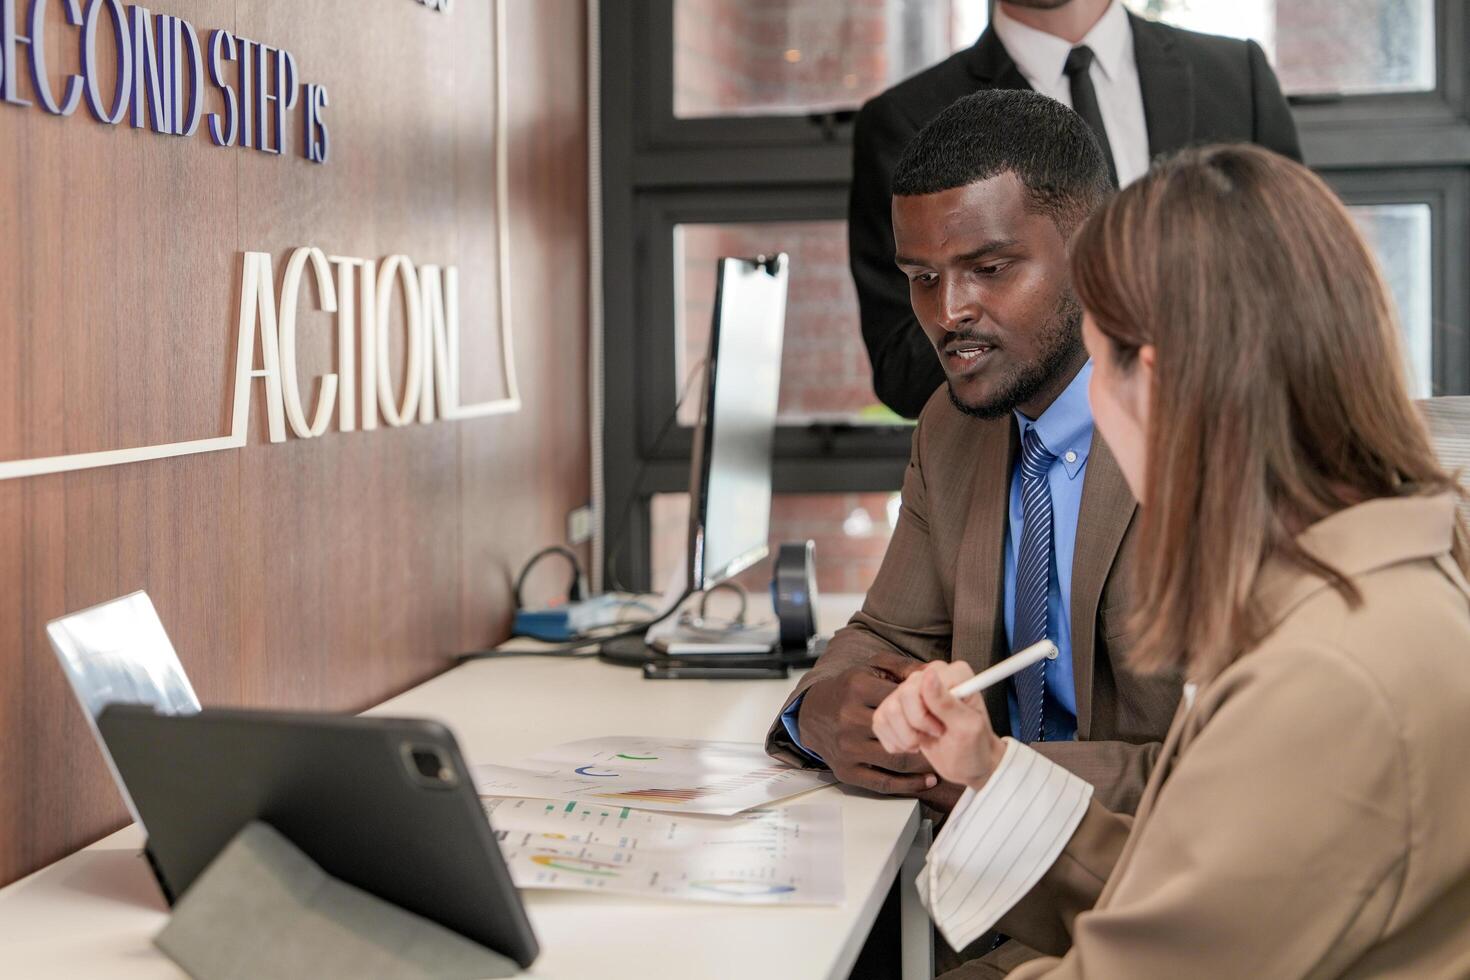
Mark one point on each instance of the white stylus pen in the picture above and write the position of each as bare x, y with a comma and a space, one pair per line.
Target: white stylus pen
1014, 664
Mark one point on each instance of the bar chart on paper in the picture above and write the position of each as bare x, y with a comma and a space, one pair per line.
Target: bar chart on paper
677, 776
788, 856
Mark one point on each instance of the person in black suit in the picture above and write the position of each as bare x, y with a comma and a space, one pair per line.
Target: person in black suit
1145, 89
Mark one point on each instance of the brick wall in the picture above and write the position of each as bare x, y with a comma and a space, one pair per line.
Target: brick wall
824, 366
744, 56
851, 532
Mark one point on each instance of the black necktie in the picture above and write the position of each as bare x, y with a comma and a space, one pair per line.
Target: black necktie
1084, 102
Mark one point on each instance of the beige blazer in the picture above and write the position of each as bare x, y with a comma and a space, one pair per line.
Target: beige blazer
1309, 813
940, 589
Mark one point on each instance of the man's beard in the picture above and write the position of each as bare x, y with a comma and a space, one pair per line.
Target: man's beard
1060, 341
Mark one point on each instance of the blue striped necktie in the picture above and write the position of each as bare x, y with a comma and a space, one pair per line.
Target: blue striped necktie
1033, 581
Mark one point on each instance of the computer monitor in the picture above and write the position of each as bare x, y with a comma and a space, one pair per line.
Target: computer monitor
730, 469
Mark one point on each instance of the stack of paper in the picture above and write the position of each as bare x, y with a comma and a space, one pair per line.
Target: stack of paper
791, 856
652, 774
577, 816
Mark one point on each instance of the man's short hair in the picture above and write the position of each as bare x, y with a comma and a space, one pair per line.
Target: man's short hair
1049, 148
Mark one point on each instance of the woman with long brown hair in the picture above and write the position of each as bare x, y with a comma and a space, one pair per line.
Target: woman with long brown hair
1301, 563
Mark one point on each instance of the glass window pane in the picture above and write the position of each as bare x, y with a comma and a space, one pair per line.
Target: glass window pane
1346, 47
792, 57
783, 57
824, 366
1400, 235
851, 531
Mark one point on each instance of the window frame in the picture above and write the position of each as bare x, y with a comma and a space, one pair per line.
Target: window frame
1447, 193
659, 171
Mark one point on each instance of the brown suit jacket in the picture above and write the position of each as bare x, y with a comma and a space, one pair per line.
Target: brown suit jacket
1308, 813
940, 589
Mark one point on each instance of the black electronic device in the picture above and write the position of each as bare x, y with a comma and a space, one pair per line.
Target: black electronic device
794, 596
753, 669
385, 804
730, 471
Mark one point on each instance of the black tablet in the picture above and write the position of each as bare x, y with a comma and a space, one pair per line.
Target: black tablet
384, 804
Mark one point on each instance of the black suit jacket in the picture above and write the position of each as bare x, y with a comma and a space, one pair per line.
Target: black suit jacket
1197, 88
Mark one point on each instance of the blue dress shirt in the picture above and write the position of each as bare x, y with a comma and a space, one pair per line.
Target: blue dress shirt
1065, 429
788, 719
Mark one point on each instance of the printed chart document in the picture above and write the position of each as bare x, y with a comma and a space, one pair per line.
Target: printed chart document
790, 856
678, 776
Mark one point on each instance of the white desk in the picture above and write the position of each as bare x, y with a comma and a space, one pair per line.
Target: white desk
94, 913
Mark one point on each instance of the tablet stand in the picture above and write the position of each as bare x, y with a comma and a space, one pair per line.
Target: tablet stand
264, 909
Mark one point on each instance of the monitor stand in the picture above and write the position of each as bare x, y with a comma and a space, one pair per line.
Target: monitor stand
675, 641
672, 638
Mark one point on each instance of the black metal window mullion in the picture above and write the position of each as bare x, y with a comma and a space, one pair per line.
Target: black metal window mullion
660, 171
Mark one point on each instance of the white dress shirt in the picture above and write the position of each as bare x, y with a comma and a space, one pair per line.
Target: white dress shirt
998, 842
1042, 58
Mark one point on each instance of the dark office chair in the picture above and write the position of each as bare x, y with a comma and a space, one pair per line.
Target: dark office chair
1449, 427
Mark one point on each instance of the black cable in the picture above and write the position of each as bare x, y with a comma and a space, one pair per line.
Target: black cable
576, 590
572, 648
615, 542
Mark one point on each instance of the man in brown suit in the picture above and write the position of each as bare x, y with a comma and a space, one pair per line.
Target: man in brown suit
997, 545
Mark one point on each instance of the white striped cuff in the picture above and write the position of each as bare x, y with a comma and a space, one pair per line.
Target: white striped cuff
998, 843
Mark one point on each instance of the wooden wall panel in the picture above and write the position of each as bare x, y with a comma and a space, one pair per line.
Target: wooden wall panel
327, 573
547, 152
